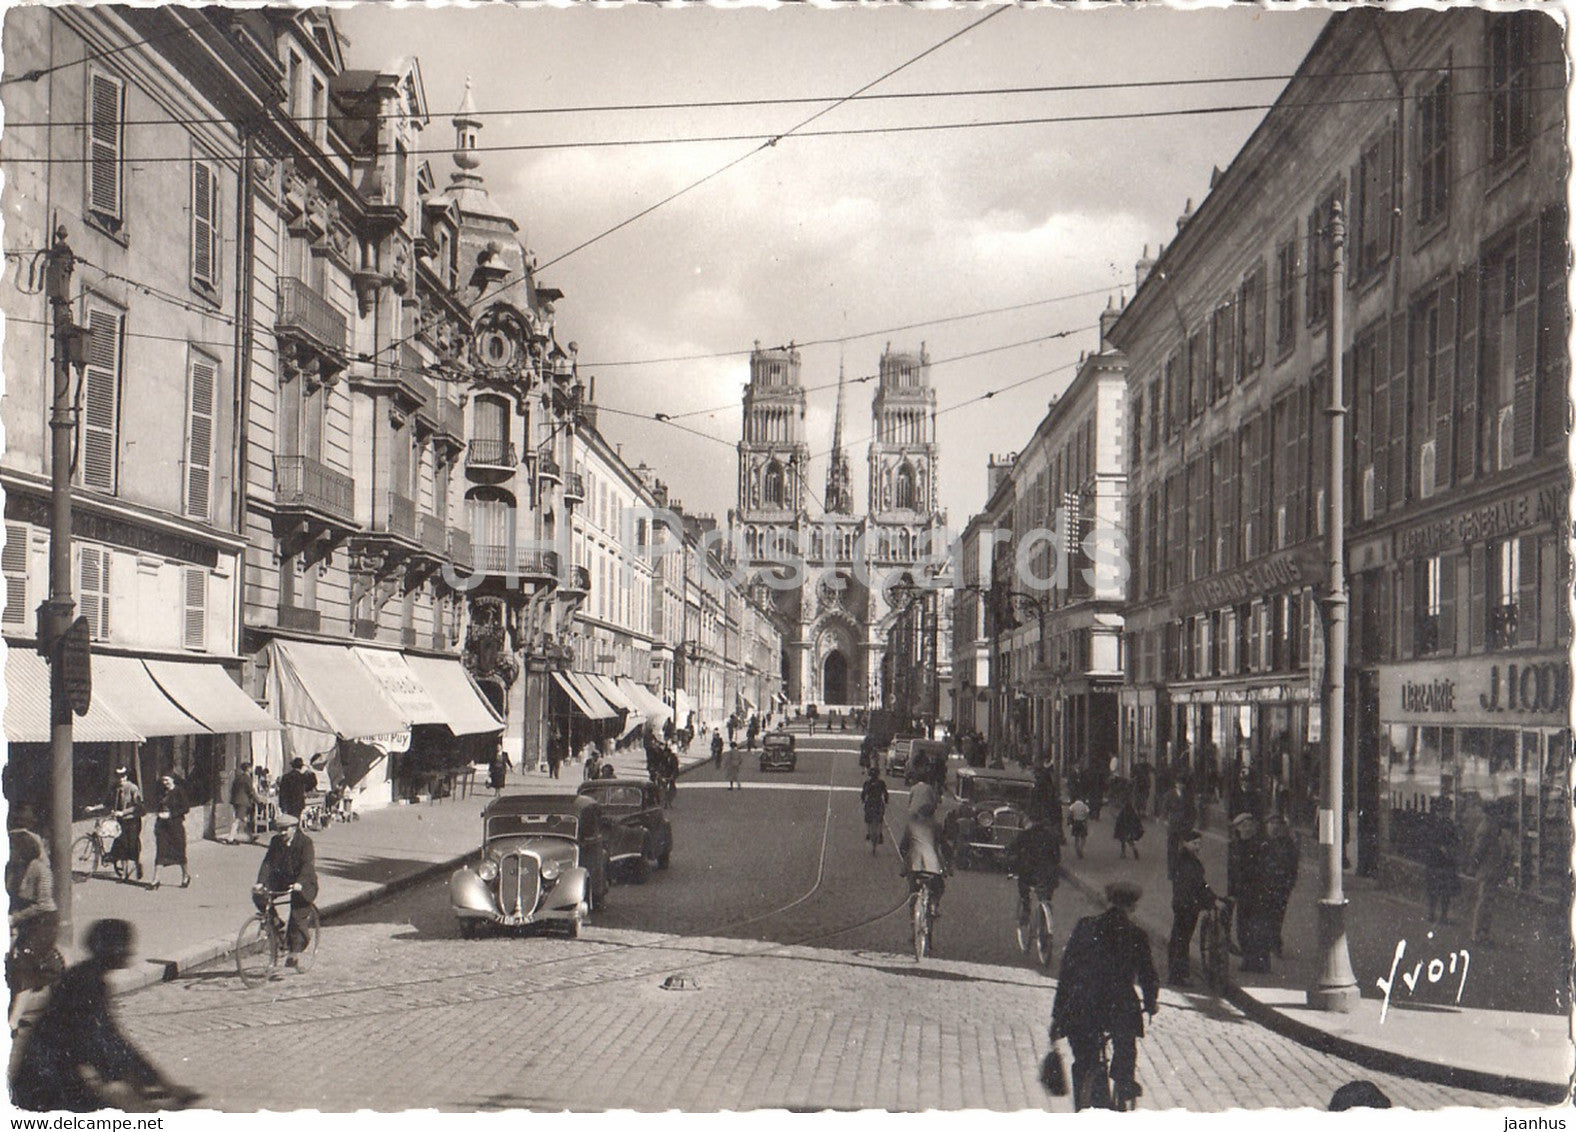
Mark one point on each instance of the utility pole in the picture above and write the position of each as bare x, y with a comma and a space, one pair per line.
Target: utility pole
1336, 989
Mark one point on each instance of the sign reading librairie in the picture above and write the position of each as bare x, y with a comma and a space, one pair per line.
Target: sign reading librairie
1525, 689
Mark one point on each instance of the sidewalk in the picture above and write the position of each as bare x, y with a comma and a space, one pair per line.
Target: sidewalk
383, 851
1508, 1034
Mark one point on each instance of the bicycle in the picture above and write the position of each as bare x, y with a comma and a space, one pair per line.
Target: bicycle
1036, 928
263, 938
924, 901
89, 851
1214, 945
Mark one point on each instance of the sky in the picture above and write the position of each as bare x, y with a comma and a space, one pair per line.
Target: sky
851, 242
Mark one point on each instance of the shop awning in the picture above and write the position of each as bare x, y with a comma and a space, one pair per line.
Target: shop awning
206, 692
592, 694
323, 689
651, 707
401, 685
465, 711
593, 711
609, 691
27, 706
131, 693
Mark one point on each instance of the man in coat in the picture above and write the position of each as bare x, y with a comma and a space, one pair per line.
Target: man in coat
1190, 897
290, 865
292, 788
243, 797
1096, 995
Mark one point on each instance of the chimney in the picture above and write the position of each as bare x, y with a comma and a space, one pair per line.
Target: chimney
1113, 311
1143, 267
1187, 215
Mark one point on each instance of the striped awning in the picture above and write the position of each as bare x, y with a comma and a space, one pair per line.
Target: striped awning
132, 693
207, 693
27, 706
594, 709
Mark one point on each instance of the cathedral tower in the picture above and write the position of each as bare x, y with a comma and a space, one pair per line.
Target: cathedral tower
903, 452
773, 455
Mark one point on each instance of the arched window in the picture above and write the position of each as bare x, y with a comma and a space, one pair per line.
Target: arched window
903, 488
772, 492
490, 419
491, 511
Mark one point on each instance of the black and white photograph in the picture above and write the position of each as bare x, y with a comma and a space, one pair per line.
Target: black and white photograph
809, 557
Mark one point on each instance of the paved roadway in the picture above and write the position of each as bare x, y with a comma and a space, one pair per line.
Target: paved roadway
791, 940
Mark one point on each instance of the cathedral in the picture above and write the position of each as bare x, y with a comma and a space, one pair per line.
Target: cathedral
824, 568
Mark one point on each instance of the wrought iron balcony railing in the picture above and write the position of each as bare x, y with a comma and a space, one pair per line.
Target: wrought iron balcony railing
304, 310
460, 551
486, 452
574, 486
398, 517
300, 481
433, 534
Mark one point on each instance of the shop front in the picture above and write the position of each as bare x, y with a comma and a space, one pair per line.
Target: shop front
1249, 746
1471, 739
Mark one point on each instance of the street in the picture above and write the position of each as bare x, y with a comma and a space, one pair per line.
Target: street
796, 990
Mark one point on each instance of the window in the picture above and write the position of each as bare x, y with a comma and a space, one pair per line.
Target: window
1510, 347
13, 562
1432, 153
93, 588
1154, 416
206, 244
1136, 451
1222, 350
1286, 294
100, 435
1510, 76
319, 124
1196, 361
772, 493
106, 136
293, 83
1251, 302
1504, 569
1318, 259
1375, 204
1430, 598
202, 373
195, 611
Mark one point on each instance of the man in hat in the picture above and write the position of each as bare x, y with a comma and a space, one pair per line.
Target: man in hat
1190, 898
243, 801
292, 788
125, 804
1105, 966
290, 865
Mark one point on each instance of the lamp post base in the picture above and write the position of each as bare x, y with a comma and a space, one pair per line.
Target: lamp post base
1336, 991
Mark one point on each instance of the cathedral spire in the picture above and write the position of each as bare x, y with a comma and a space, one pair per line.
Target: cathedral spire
839, 491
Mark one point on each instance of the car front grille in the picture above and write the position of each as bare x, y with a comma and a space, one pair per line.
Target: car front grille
519, 884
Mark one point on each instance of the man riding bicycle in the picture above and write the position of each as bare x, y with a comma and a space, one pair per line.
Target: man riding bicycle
290, 865
1095, 998
925, 852
1035, 858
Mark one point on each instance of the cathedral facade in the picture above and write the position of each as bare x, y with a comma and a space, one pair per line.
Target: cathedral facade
828, 571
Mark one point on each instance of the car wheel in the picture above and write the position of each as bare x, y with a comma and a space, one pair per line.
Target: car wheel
662, 861
573, 929
467, 929
640, 870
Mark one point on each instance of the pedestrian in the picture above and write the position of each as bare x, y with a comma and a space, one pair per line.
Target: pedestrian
125, 803
555, 759
243, 802
1441, 862
1179, 813
76, 1058
1129, 827
169, 830
1143, 782
33, 962
1190, 898
873, 796
1254, 906
716, 749
734, 763
592, 768
1491, 859
292, 788
1045, 800
1282, 858
1107, 964
498, 771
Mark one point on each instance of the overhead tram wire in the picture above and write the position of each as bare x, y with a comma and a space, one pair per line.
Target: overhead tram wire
38, 73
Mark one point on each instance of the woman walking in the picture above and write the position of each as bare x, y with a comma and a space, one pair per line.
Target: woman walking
169, 830
1129, 827
125, 804
32, 963
734, 763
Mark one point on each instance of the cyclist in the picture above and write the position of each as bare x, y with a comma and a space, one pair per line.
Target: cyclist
1035, 858
290, 865
925, 852
1078, 823
1096, 997
873, 795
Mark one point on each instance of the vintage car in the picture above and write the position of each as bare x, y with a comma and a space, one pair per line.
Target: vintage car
543, 861
897, 756
991, 809
638, 832
777, 752
927, 761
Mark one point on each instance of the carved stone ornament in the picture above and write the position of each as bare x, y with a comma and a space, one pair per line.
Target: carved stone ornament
296, 191
498, 343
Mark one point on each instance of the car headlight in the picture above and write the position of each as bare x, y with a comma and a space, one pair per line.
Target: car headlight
488, 871
985, 818
551, 870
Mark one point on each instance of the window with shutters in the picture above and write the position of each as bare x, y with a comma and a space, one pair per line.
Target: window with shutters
1375, 205
1154, 416
1509, 83
106, 166
1286, 294
1318, 260
202, 378
194, 607
1247, 463
1197, 375
1251, 303
14, 557
206, 244
1502, 591
1171, 414
1137, 438
1428, 591
99, 457
1509, 333
93, 588
1222, 350
1431, 154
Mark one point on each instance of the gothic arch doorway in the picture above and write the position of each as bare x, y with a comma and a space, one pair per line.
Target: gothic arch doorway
834, 678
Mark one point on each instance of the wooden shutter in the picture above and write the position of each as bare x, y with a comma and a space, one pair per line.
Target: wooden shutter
1553, 394
1479, 599
101, 400
1407, 637
106, 102
205, 224
1447, 603
13, 562
1551, 595
195, 609
1527, 591
1319, 446
93, 589
1444, 388
1402, 453
1526, 322
1468, 390
1228, 516
199, 436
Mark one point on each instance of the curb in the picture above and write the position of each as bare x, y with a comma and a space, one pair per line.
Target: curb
1369, 1057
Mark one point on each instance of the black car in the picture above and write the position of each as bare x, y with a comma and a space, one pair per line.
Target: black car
639, 834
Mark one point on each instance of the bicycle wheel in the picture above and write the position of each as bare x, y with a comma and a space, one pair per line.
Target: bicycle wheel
84, 858
309, 922
1212, 954
921, 923
1044, 937
256, 951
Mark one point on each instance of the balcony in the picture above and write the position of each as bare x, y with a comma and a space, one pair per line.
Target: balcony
578, 581
302, 483
433, 534
397, 517
487, 452
507, 561
301, 620
451, 420
547, 467
314, 333
460, 552
574, 487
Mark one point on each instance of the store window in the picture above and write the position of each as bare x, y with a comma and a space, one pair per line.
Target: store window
1504, 570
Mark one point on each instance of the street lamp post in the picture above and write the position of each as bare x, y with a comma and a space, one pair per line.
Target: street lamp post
1336, 989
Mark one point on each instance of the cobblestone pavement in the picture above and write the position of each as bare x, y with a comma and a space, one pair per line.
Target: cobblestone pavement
399, 1012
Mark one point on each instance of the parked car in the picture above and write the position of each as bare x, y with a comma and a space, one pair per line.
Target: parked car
897, 756
543, 861
992, 805
777, 752
927, 761
639, 834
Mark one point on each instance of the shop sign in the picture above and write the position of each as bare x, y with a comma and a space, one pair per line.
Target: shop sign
1477, 691
1492, 520
1289, 569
